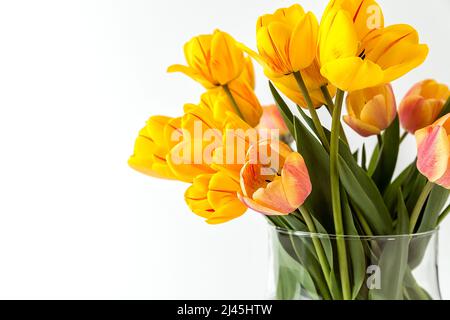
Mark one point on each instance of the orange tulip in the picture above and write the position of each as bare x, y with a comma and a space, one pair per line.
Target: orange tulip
214, 197
274, 189
153, 145
371, 110
422, 105
273, 120
433, 155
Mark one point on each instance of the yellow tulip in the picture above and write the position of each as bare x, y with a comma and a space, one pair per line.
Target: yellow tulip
190, 158
371, 110
213, 60
214, 197
367, 14
248, 104
237, 138
287, 40
287, 43
353, 56
152, 146
422, 105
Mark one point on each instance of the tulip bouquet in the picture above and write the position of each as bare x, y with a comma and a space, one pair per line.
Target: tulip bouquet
303, 177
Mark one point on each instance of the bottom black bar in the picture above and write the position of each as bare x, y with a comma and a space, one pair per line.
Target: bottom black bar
219, 309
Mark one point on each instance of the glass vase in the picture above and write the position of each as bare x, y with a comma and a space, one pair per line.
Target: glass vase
306, 266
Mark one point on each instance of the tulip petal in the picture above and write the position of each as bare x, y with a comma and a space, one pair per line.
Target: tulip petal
182, 160
196, 197
295, 179
362, 128
227, 60
444, 181
273, 197
433, 152
194, 75
396, 50
303, 43
353, 73
273, 46
375, 113
230, 211
337, 37
417, 113
255, 206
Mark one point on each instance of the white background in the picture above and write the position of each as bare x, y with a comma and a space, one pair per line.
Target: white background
78, 79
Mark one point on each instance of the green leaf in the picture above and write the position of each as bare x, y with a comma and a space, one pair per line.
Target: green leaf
374, 160
318, 163
356, 249
413, 190
387, 157
286, 113
393, 261
413, 291
391, 193
436, 202
294, 281
364, 157
302, 251
365, 194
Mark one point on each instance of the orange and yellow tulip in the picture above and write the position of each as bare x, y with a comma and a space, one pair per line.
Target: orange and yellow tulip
284, 190
214, 197
433, 155
273, 120
153, 145
371, 110
355, 55
213, 60
422, 105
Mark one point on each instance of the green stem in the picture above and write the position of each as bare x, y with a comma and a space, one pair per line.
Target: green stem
312, 110
336, 196
321, 286
419, 206
317, 245
443, 216
330, 106
380, 141
403, 137
233, 101
364, 223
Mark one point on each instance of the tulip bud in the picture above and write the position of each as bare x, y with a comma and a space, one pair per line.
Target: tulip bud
433, 153
371, 110
422, 105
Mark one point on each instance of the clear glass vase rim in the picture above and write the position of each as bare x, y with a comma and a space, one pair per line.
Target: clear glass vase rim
304, 234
